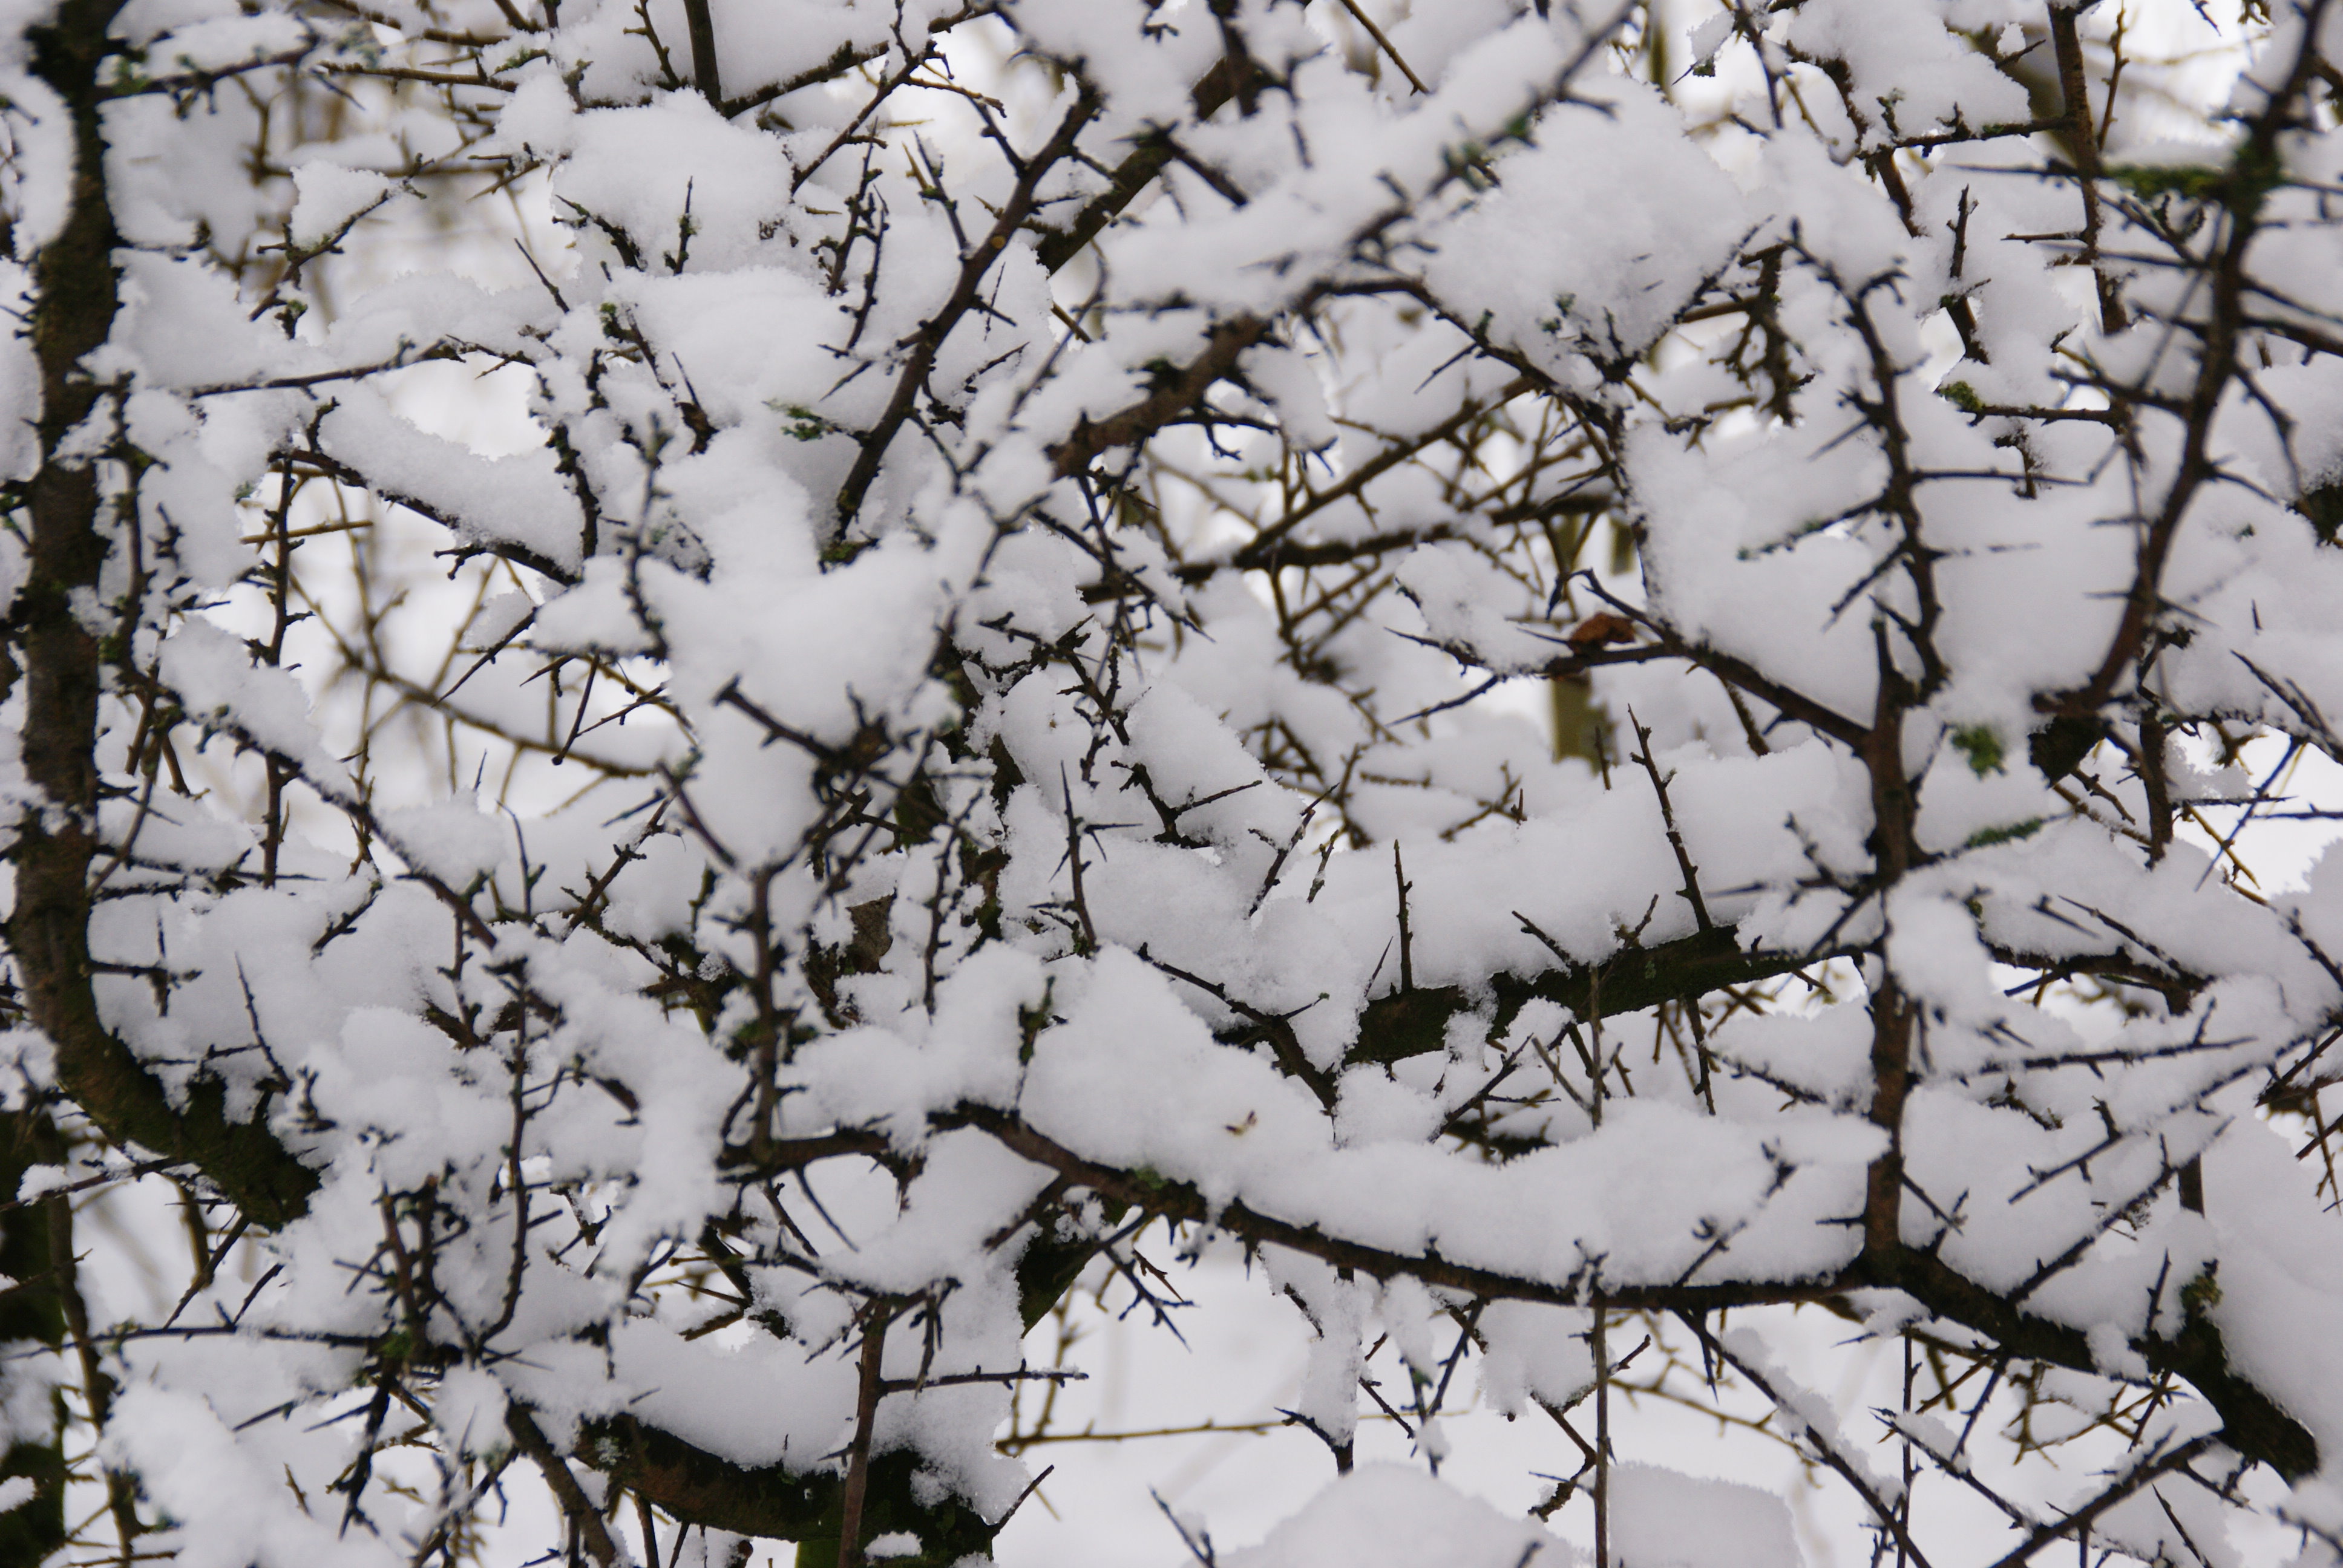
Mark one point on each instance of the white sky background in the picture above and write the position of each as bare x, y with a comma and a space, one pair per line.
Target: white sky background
1245, 1349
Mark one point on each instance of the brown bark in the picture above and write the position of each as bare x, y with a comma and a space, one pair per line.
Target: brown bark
75, 301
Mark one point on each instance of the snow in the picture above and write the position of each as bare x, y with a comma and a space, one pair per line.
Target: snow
1660, 1518
518, 500
331, 196
700, 844
1381, 1516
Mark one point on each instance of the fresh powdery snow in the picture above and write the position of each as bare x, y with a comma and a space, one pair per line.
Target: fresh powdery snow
1273, 783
